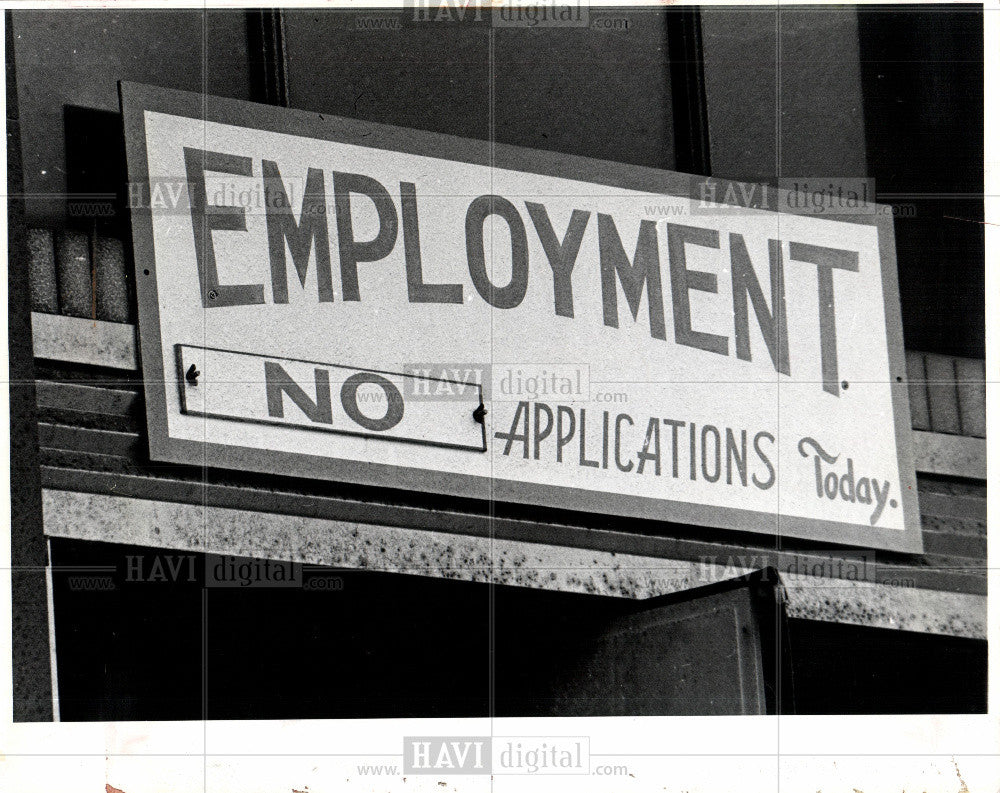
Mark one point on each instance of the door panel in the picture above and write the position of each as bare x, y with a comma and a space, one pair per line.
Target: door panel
700, 656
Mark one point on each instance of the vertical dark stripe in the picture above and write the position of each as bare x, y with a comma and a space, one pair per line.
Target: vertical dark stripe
93, 269
927, 392
958, 396
687, 90
268, 57
29, 552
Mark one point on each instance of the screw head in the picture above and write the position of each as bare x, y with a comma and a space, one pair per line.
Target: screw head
212, 294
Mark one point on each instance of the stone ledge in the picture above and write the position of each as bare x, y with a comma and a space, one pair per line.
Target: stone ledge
92, 342
333, 543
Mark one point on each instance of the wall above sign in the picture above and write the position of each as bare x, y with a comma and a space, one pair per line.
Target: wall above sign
330, 298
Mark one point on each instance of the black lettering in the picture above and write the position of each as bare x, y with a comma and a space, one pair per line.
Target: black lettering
652, 439
418, 291
561, 255
584, 462
644, 270
826, 260
693, 447
674, 427
394, 401
301, 237
542, 434
604, 444
521, 414
618, 442
562, 439
736, 454
774, 323
682, 280
766, 483
205, 219
707, 430
352, 251
509, 296
278, 383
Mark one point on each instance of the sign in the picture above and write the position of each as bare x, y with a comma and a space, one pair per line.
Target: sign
328, 398
329, 298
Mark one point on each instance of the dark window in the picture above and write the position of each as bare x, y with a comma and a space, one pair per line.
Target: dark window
590, 90
68, 68
922, 77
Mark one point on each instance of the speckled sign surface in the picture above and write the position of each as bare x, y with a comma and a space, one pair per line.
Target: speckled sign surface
648, 344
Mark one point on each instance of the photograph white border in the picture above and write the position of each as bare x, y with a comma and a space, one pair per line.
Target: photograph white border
790, 753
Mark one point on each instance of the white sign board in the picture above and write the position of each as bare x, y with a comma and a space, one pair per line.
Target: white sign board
329, 298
